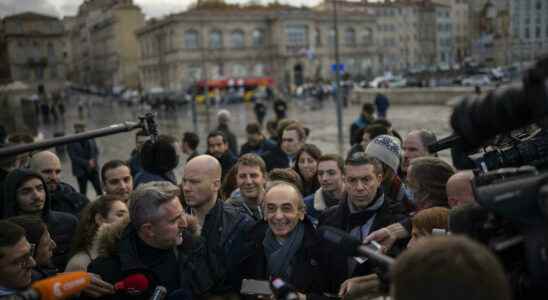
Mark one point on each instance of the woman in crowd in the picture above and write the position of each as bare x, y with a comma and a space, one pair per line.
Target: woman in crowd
426, 180
106, 209
307, 167
426, 221
37, 234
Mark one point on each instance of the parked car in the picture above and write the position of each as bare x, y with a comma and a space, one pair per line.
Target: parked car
476, 80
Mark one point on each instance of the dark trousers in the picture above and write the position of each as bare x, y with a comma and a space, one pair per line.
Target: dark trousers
92, 176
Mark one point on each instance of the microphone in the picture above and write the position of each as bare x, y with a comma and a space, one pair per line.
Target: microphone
352, 246
57, 287
159, 293
134, 284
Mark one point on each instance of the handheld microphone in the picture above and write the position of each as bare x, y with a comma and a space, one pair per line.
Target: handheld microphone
352, 246
159, 293
134, 284
57, 287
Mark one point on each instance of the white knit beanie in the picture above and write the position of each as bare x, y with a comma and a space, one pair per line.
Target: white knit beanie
387, 149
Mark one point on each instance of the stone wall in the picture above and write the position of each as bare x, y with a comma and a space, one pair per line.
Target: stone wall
423, 96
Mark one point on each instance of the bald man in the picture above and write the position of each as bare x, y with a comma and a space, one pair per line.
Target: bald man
63, 196
459, 189
223, 227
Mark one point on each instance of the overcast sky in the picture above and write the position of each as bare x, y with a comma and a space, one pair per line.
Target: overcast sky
152, 8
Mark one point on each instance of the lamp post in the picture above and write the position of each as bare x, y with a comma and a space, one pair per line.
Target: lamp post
340, 138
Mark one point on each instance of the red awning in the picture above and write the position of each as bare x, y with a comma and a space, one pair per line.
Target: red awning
250, 82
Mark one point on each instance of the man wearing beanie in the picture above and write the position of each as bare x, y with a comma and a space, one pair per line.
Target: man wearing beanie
387, 150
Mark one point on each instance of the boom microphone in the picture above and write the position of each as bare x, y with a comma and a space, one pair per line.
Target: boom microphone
57, 287
352, 246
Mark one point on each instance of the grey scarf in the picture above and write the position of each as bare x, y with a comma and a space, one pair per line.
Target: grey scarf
279, 256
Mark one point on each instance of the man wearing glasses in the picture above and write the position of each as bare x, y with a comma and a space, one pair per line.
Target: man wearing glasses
16, 260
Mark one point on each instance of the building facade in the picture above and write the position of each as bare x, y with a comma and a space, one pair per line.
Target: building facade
104, 46
33, 46
291, 45
529, 29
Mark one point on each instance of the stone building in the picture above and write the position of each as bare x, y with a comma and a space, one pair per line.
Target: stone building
33, 50
291, 45
528, 29
104, 46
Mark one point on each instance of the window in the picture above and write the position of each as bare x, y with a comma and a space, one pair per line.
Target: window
539, 5
367, 36
257, 38
237, 39
258, 70
172, 40
51, 51
350, 37
331, 37
318, 37
39, 73
297, 34
537, 32
192, 40
527, 32
239, 70
216, 39
53, 72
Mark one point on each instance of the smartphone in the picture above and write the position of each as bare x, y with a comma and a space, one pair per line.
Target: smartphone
256, 287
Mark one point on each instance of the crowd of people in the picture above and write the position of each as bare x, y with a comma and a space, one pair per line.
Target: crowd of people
249, 212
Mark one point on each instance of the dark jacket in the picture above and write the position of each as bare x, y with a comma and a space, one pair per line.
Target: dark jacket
80, 154
238, 202
355, 149
135, 163
381, 103
275, 158
307, 275
359, 123
60, 225
67, 199
231, 138
145, 176
339, 217
227, 160
263, 147
120, 254
224, 232
316, 204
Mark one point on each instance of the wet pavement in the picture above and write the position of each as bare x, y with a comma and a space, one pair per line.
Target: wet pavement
99, 113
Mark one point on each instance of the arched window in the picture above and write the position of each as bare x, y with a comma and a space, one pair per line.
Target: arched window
216, 39
350, 37
192, 39
237, 39
258, 38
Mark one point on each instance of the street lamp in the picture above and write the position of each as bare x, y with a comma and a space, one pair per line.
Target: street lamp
338, 80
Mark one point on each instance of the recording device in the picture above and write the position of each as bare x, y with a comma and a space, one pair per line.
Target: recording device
146, 123
58, 287
493, 121
254, 287
159, 293
134, 285
352, 246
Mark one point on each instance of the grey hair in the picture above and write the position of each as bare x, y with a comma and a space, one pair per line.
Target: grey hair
272, 184
145, 201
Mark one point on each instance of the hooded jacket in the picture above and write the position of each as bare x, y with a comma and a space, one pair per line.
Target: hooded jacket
60, 225
119, 248
67, 199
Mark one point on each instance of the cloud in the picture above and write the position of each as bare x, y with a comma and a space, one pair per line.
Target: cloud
10, 7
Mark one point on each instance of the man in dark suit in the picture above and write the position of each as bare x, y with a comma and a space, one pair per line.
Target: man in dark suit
83, 155
364, 210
